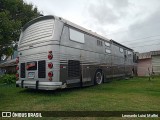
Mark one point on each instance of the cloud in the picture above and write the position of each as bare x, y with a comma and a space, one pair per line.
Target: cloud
148, 26
108, 11
143, 35
146, 33
120, 20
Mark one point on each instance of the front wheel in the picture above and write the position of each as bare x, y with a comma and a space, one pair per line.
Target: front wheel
98, 77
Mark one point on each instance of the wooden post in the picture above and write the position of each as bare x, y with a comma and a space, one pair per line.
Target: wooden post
152, 75
149, 74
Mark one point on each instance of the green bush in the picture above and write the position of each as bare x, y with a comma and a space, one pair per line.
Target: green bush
7, 78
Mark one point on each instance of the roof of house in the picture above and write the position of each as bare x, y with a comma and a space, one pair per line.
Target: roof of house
147, 55
155, 52
144, 55
8, 63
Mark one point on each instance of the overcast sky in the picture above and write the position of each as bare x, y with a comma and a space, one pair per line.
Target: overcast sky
134, 23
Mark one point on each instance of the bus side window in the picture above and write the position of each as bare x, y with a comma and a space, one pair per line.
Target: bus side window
76, 35
107, 44
99, 43
121, 50
108, 51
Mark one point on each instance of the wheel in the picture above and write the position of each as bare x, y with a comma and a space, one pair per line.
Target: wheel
98, 77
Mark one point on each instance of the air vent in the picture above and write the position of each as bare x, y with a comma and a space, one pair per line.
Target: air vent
73, 68
23, 73
42, 69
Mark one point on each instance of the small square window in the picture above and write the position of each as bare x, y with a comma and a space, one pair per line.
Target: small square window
108, 51
129, 52
107, 44
121, 50
99, 43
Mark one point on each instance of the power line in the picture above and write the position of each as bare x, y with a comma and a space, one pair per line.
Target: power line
144, 41
117, 32
127, 30
140, 38
146, 45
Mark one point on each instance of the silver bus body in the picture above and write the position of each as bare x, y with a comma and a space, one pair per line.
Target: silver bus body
55, 53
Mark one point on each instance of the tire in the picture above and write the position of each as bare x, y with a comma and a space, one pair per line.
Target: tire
98, 79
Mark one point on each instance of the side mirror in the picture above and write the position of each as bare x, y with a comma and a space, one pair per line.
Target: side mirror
135, 58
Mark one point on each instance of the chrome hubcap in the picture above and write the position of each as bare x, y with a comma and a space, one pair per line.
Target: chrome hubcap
99, 78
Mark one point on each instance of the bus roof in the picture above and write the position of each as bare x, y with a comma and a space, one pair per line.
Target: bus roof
73, 25
82, 29
114, 42
36, 20
92, 33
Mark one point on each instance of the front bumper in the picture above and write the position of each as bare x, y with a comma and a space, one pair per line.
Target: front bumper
38, 85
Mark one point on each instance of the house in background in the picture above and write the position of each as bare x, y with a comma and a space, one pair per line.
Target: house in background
148, 63
9, 65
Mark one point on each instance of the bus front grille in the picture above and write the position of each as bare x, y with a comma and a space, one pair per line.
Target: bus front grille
23, 73
42, 69
73, 68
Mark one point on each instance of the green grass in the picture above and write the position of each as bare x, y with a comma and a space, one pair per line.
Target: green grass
135, 94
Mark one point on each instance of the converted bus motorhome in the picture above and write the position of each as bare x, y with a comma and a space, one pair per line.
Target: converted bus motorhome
55, 53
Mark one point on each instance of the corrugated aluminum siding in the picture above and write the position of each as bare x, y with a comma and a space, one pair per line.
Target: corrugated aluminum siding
38, 30
156, 64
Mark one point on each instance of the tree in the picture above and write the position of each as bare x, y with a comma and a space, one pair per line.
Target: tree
13, 15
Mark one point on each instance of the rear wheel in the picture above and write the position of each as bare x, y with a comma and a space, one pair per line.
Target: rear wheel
98, 77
